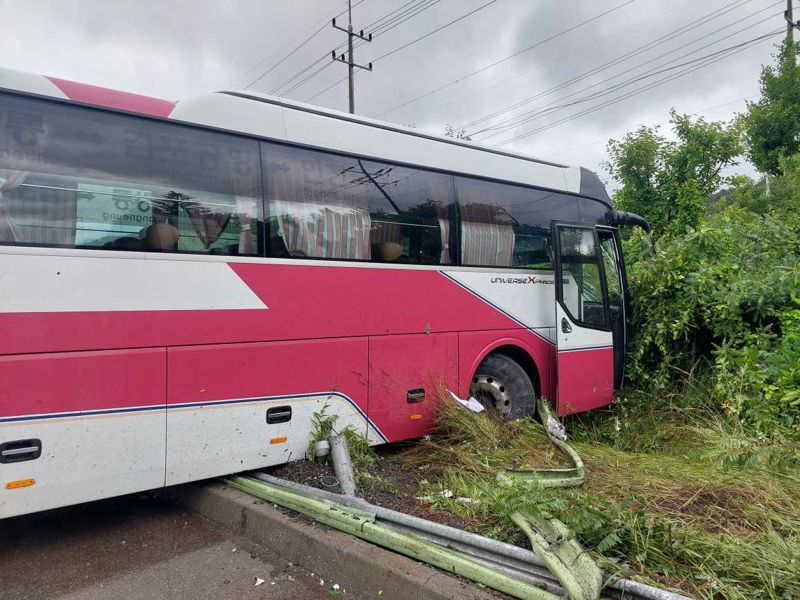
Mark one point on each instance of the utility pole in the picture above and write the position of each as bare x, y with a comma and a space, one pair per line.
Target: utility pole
351, 65
790, 24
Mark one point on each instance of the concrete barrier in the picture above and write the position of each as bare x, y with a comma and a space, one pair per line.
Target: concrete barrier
336, 557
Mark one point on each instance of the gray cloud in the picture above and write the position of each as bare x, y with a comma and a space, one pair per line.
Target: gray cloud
182, 48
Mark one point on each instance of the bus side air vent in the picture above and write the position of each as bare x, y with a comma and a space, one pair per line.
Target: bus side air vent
279, 414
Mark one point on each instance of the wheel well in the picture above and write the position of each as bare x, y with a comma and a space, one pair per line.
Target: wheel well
524, 360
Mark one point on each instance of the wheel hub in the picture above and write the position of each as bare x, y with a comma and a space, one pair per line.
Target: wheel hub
492, 393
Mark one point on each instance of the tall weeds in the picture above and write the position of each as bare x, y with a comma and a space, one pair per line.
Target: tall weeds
688, 512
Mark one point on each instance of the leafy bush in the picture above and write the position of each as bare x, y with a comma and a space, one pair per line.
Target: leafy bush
728, 293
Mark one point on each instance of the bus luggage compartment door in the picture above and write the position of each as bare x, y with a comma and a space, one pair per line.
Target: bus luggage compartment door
406, 375
80, 426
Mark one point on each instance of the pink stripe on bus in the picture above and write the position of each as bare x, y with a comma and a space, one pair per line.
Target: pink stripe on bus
100, 96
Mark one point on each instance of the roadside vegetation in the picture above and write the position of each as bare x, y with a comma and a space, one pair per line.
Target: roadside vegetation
693, 474
687, 514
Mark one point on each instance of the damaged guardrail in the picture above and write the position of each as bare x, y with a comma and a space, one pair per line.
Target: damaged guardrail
558, 567
522, 573
363, 524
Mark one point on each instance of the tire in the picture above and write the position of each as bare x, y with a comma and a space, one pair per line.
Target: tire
501, 384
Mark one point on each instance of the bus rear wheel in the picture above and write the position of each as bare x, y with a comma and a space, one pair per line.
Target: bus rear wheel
502, 385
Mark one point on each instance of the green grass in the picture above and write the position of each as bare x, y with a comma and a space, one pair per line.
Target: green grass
682, 498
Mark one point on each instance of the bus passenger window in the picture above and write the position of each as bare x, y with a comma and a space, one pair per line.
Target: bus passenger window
412, 223
325, 205
504, 225
87, 178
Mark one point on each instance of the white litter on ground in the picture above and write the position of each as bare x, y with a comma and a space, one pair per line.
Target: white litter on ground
472, 404
445, 493
259, 581
556, 429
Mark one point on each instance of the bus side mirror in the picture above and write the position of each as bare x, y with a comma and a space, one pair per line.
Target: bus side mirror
621, 217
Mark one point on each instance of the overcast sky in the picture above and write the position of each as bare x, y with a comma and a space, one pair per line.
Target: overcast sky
179, 48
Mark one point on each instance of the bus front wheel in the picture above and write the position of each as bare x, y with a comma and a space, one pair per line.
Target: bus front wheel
501, 384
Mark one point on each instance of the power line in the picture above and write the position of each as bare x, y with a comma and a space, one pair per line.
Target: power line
645, 76
300, 73
627, 96
281, 61
382, 25
738, 48
330, 87
317, 30
438, 29
494, 64
307, 78
694, 114
264, 60
414, 41
619, 60
540, 65
529, 116
402, 17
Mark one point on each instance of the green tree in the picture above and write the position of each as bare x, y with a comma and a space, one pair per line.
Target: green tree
668, 182
769, 194
772, 124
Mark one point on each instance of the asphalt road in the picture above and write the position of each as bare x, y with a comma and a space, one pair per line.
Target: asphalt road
141, 547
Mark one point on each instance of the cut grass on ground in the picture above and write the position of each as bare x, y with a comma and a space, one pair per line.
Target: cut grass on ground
682, 518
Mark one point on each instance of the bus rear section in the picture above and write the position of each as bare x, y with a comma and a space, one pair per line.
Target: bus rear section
178, 303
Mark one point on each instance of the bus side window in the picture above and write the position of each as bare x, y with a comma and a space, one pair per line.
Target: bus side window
504, 225
411, 222
87, 178
326, 205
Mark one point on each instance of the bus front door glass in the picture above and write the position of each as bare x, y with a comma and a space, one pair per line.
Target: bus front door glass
612, 265
584, 342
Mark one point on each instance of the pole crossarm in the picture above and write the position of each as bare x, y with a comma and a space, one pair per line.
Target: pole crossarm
360, 35
788, 16
343, 59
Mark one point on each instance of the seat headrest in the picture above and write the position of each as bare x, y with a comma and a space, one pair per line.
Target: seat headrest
161, 236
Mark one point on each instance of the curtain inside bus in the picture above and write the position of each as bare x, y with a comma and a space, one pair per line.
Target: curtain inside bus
8, 181
325, 205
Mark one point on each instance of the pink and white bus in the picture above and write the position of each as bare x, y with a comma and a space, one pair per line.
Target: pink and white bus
183, 285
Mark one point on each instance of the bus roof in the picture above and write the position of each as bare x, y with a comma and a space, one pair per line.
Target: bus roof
261, 115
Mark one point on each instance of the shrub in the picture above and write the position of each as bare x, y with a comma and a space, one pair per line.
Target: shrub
727, 291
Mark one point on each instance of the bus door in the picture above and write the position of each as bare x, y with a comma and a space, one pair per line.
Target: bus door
584, 340
613, 266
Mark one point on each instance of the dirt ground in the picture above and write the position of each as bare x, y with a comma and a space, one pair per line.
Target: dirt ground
388, 482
